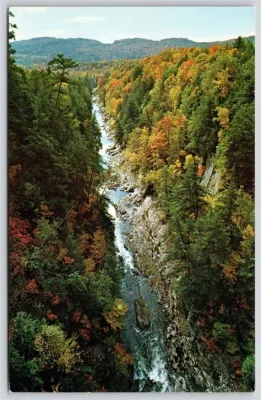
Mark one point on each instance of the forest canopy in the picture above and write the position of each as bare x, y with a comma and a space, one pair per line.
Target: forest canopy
185, 121
65, 306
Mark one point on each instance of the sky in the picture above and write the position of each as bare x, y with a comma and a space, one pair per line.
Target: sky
107, 24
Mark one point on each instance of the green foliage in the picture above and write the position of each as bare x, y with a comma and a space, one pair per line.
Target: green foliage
40, 50
64, 273
186, 123
248, 369
24, 367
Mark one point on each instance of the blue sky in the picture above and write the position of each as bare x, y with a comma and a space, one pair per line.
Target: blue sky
107, 24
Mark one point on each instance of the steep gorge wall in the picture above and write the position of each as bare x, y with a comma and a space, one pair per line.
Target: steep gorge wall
197, 369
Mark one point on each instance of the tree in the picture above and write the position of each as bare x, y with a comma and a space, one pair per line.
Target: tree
60, 64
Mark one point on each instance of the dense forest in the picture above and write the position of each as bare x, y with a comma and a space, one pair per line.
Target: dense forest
41, 50
65, 306
185, 121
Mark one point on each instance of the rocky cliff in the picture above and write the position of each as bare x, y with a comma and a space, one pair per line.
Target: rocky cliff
196, 368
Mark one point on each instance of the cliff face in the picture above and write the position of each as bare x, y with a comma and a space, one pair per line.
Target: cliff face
197, 369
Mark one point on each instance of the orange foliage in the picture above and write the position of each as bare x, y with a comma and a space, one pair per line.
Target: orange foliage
77, 316
51, 316
19, 234
158, 149
125, 358
213, 49
185, 71
68, 260
32, 286
201, 169
45, 212
56, 300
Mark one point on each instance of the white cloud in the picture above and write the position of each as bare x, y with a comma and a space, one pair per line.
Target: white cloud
31, 10
85, 19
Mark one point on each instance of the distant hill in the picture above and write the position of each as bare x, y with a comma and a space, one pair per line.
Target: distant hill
41, 50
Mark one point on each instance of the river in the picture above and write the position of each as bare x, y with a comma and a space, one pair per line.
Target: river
146, 346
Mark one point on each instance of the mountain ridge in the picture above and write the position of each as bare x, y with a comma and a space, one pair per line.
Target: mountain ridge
40, 50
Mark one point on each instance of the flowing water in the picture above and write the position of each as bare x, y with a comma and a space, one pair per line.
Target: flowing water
146, 346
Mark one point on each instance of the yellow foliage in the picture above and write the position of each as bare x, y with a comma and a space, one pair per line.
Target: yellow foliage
62, 253
230, 267
189, 160
175, 169
248, 232
223, 117
248, 240
90, 266
223, 82
55, 349
209, 199
114, 317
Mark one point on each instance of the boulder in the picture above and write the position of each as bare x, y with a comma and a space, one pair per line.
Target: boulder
142, 314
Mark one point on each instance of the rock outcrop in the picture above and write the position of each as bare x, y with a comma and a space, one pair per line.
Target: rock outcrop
142, 314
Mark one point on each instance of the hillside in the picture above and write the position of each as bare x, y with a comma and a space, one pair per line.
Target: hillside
41, 50
184, 120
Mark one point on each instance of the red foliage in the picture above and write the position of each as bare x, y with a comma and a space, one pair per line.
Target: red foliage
77, 316
85, 334
211, 344
13, 258
18, 231
32, 286
68, 260
56, 300
236, 363
51, 316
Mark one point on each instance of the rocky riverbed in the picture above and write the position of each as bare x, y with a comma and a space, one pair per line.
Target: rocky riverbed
195, 369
